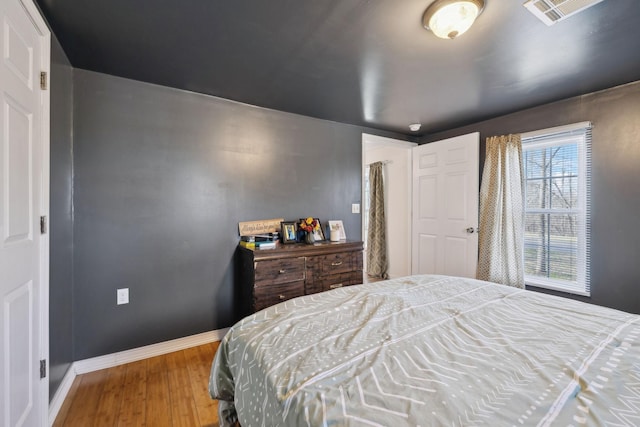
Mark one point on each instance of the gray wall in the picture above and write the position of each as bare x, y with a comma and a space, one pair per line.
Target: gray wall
61, 219
162, 178
615, 238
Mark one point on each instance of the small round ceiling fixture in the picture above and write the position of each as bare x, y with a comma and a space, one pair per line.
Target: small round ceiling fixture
448, 19
415, 127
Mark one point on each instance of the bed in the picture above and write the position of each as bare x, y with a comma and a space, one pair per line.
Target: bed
430, 350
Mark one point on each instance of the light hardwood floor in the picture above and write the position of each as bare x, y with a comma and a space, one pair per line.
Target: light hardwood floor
369, 279
167, 390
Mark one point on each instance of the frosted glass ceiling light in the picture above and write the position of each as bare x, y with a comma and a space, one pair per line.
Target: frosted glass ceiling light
448, 19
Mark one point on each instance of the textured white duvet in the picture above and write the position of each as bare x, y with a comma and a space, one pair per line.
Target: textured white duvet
430, 350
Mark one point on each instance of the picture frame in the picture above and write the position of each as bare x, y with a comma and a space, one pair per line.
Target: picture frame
319, 233
337, 224
289, 231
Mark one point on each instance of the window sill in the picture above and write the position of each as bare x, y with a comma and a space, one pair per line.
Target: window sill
551, 287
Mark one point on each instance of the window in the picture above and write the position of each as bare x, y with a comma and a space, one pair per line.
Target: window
557, 170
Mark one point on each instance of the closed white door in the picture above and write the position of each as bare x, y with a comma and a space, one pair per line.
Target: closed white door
23, 199
445, 207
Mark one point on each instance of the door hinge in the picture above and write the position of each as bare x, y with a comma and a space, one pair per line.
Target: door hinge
43, 368
43, 80
43, 225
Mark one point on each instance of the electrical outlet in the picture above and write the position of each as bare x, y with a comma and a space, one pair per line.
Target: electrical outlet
122, 296
355, 208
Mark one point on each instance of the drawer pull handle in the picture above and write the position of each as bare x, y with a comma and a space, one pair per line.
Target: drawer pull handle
335, 264
336, 286
282, 297
282, 271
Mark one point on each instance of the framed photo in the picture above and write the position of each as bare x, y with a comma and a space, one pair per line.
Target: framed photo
319, 233
337, 225
289, 231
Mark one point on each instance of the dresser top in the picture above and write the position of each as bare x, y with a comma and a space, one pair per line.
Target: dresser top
303, 249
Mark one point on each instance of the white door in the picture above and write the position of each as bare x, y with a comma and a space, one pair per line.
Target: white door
445, 207
24, 182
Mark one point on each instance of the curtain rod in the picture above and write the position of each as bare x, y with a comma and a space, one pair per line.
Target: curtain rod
384, 162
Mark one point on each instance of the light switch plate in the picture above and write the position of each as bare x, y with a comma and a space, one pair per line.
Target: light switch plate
355, 208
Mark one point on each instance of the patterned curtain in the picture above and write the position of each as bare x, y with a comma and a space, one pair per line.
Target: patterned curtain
377, 236
502, 213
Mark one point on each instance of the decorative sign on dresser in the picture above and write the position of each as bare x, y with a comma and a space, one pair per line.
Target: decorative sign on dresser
265, 278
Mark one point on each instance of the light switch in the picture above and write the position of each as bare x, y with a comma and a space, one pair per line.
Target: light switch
355, 208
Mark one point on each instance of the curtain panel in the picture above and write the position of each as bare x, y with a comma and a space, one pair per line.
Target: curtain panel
377, 263
500, 257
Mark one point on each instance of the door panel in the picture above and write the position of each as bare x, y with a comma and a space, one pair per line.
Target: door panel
457, 155
428, 190
17, 53
18, 314
427, 253
428, 160
457, 193
18, 212
455, 258
445, 206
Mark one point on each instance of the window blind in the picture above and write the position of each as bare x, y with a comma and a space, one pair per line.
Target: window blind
557, 170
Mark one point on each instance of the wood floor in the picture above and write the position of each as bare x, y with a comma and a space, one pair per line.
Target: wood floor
167, 390
370, 279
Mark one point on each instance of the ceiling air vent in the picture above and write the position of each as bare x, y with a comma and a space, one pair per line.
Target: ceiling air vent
552, 11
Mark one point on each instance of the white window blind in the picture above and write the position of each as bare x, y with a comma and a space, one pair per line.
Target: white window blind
557, 170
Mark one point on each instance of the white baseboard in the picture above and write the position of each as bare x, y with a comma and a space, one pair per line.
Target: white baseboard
110, 360
61, 393
135, 354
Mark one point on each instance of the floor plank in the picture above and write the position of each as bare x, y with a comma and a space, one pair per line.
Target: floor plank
183, 408
111, 397
168, 390
66, 405
199, 366
84, 406
158, 397
133, 407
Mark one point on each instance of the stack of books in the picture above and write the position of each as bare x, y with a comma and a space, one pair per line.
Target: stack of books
260, 241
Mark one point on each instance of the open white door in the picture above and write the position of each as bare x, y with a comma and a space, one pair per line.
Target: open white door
445, 207
24, 198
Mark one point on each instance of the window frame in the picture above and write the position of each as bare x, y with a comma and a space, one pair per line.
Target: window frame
580, 134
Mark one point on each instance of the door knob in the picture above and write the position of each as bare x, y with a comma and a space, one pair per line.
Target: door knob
471, 230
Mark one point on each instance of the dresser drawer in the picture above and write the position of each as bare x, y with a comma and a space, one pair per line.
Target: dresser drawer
279, 271
338, 263
336, 281
272, 294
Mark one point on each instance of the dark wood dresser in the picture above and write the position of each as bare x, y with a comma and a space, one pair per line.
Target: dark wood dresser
265, 277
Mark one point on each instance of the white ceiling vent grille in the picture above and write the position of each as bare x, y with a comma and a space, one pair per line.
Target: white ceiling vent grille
552, 11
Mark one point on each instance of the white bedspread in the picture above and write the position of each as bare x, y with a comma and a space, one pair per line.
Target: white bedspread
431, 350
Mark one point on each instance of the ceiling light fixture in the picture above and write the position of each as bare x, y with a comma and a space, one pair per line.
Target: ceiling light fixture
448, 19
415, 127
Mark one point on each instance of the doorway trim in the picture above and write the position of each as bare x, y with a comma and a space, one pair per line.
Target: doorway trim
379, 141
